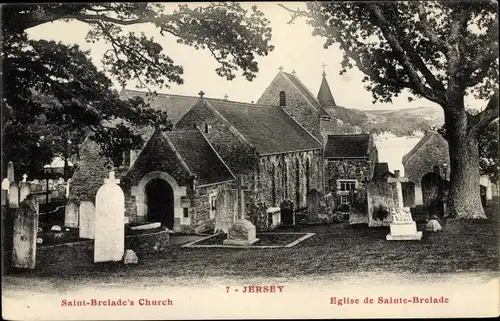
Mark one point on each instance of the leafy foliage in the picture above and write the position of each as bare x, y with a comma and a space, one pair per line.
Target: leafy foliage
57, 85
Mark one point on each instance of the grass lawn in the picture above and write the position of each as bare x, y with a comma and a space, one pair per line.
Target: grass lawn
464, 246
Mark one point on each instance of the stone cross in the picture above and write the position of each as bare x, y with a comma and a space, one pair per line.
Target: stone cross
280, 68
293, 72
201, 93
398, 180
111, 179
25, 176
241, 188
226, 96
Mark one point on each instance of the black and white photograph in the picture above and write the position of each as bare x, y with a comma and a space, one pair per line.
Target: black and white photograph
250, 160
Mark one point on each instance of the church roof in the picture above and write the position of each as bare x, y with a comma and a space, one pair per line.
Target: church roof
269, 129
175, 105
347, 146
380, 170
307, 94
199, 156
429, 136
184, 155
325, 96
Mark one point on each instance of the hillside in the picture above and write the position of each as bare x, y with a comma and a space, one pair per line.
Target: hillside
398, 121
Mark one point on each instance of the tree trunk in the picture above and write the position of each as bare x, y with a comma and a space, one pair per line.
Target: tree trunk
464, 200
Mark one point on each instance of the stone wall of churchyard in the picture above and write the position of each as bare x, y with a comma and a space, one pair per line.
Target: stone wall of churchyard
239, 156
82, 253
354, 168
277, 178
89, 176
296, 104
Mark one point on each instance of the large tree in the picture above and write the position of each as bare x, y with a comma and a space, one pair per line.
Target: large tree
53, 90
439, 50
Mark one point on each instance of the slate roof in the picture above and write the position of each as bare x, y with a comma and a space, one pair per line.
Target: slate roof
199, 156
347, 146
380, 170
427, 137
175, 105
325, 97
307, 94
267, 128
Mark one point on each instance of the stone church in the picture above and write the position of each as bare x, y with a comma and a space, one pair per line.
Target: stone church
223, 154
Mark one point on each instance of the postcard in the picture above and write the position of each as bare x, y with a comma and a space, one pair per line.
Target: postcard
250, 160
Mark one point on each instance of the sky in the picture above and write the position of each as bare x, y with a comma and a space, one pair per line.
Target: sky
295, 50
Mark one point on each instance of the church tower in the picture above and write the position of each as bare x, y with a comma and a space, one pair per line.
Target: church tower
325, 96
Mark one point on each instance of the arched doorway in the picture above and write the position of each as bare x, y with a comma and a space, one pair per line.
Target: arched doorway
160, 202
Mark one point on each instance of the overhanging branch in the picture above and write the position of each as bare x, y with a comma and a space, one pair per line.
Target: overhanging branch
489, 114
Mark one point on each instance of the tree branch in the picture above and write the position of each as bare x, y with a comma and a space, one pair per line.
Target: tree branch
489, 114
426, 29
402, 57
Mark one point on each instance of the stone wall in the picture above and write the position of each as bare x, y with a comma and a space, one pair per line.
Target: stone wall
353, 168
283, 167
82, 253
433, 153
296, 104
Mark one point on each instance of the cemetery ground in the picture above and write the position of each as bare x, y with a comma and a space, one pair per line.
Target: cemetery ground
336, 251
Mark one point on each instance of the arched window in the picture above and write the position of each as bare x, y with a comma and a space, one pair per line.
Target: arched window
282, 99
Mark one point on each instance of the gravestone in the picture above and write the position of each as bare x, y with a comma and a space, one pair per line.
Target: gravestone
242, 232
109, 242
433, 193
313, 199
60, 181
86, 220
71, 215
130, 257
25, 178
25, 191
5, 191
408, 194
287, 213
10, 172
403, 227
13, 195
433, 226
25, 229
381, 198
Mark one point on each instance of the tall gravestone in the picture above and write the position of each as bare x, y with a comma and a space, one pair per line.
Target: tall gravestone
109, 242
13, 195
25, 229
71, 215
10, 172
313, 199
408, 194
25, 190
432, 193
5, 191
87, 220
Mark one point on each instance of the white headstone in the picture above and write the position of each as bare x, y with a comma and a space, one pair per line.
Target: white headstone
25, 191
71, 215
25, 177
87, 220
130, 257
5, 184
13, 195
67, 189
10, 171
109, 244
60, 181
